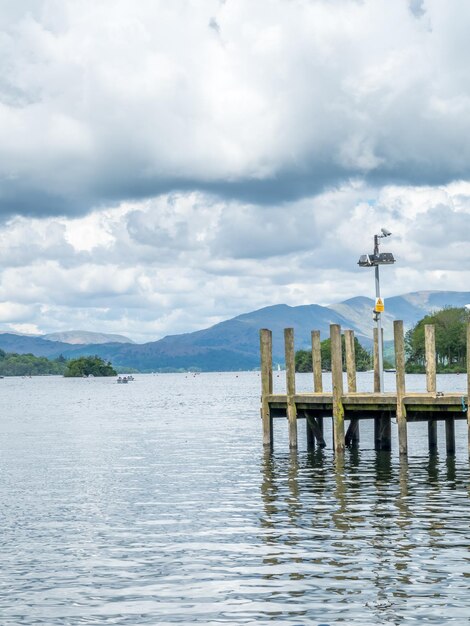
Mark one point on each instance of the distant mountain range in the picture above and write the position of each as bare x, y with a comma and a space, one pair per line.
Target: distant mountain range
86, 337
234, 344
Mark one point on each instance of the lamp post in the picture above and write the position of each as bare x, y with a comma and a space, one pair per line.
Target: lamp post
375, 260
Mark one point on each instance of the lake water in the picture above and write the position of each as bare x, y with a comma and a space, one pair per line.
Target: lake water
154, 503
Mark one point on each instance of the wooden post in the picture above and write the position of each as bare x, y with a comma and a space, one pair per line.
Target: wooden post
383, 432
266, 350
350, 360
430, 349
319, 434
309, 433
468, 384
352, 434
432, 436
290, 385
316, 362
337, 380
450, 435
400, 367
316, 427
376, 361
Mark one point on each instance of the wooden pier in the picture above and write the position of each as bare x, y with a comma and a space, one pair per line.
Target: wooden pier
352, 406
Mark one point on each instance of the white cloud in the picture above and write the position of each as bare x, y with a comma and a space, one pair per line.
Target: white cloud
100, 103
181, 262
164, 166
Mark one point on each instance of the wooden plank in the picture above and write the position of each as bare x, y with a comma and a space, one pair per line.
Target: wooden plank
400, 378
350, 360
337, 384
266, 350
290, 385
316, 362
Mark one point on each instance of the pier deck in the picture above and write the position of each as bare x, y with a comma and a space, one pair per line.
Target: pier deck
418, 406
430, 406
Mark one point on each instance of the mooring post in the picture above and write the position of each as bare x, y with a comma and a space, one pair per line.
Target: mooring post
316, 362
337, 380
266, 350
430, 351
352, 434
290, 385
400, 367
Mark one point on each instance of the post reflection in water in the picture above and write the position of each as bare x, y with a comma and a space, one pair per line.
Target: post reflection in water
371, 538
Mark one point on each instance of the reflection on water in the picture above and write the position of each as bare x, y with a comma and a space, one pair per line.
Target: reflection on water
154, 503
372, 540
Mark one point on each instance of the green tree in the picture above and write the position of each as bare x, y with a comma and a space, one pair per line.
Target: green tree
89, 366
450, 330
303, 358
12, 364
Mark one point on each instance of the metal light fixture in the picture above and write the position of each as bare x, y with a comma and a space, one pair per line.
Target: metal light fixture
375, 260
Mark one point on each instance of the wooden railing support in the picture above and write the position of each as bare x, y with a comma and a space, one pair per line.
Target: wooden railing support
430, 360
290, 385
337, 380
266, 350
400, 377
316, 362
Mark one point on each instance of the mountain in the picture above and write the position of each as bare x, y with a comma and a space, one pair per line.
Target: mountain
234, 344
85, 337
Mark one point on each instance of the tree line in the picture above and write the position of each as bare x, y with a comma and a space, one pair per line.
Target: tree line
303, 358
12, 364
450, 327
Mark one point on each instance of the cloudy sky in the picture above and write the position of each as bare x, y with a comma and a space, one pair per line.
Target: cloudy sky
167, 165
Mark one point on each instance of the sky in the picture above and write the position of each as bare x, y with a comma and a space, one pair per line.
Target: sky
168, 165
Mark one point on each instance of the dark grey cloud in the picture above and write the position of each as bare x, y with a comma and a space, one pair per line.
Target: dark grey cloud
100, 106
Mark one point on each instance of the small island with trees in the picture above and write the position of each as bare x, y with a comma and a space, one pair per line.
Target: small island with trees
12, 364
88, 366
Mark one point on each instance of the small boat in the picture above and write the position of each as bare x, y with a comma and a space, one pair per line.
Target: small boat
122, 379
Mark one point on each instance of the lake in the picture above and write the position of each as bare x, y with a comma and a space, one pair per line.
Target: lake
154, 503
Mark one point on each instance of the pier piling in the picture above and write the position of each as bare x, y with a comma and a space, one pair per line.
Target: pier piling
430, 362
266, 348
290, 385
316, 362
337, 380
400, 378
